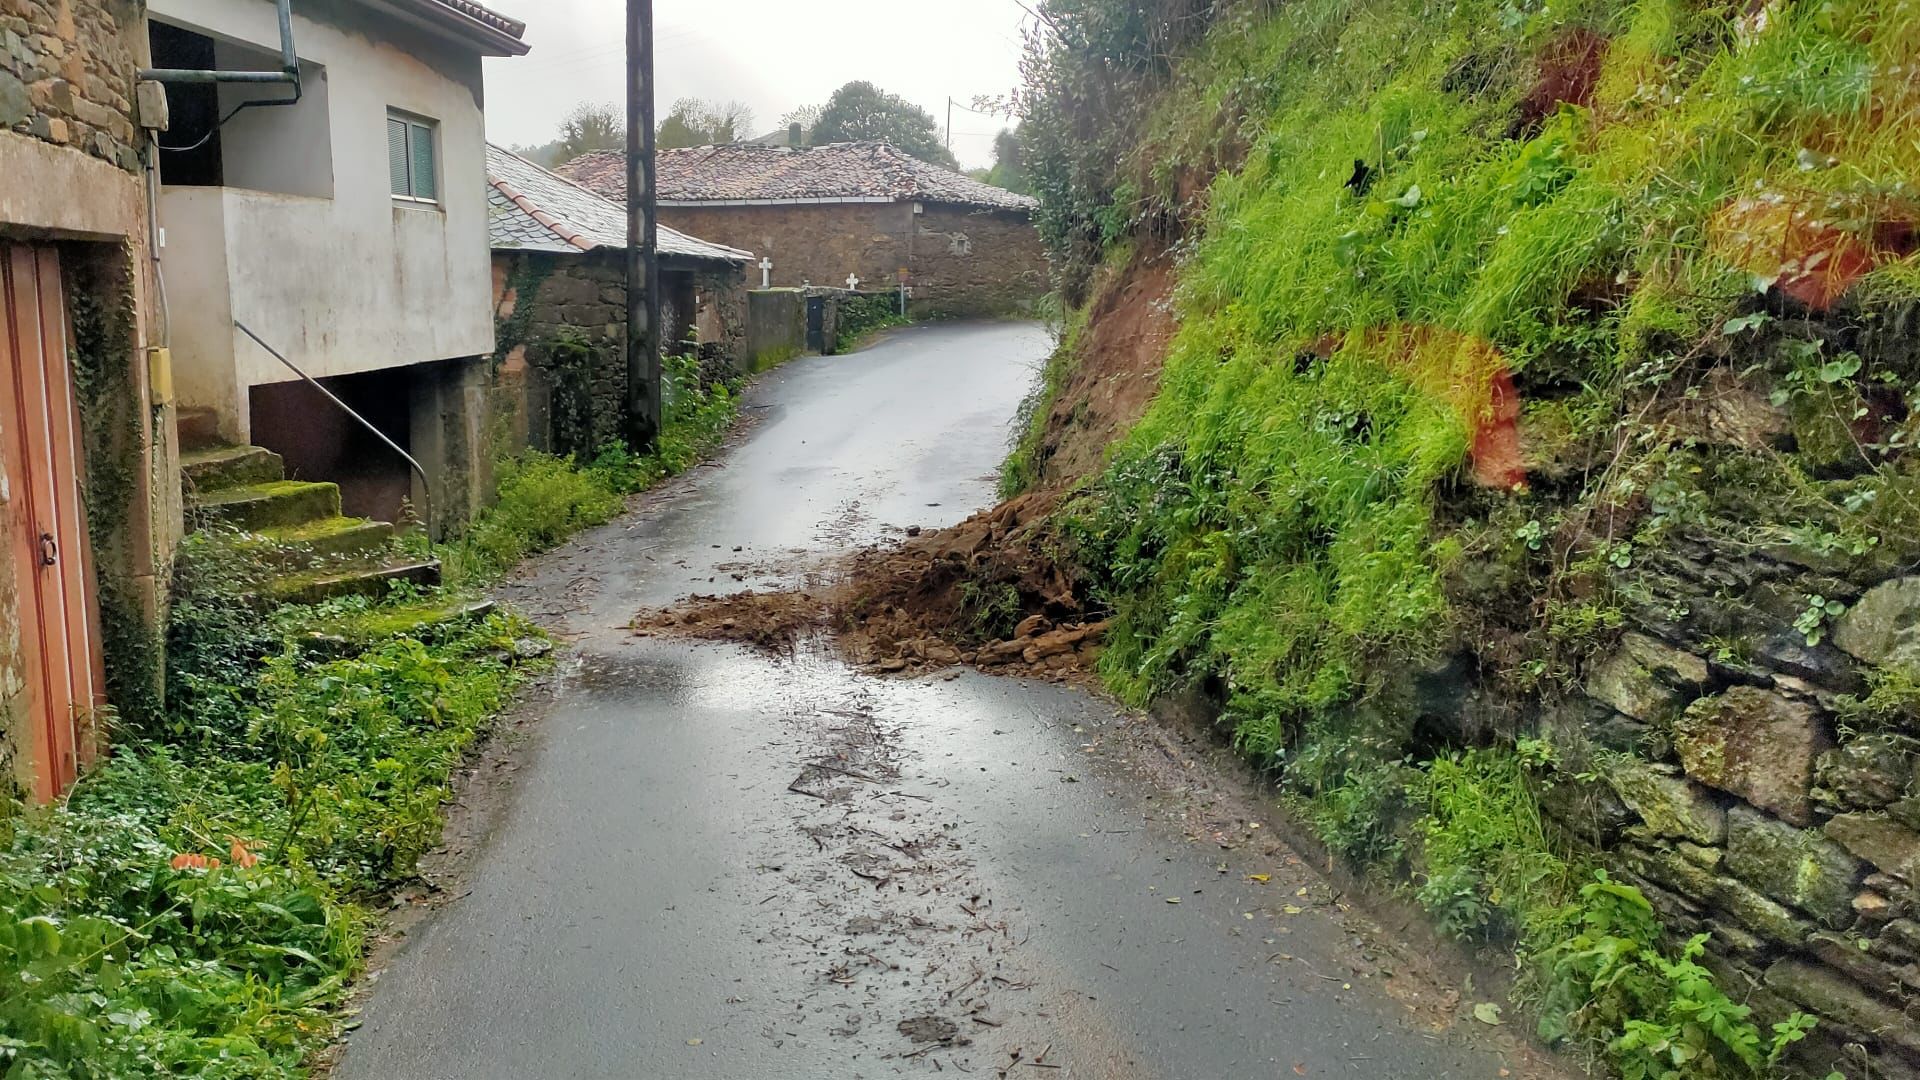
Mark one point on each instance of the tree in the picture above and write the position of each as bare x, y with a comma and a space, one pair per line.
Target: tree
591, 126
547, 154
862, 112
693, 122
1009, 166
807, 116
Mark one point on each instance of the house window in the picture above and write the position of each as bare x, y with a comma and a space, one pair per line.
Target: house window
413, 163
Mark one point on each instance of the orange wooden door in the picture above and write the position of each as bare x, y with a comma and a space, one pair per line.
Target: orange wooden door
44, 521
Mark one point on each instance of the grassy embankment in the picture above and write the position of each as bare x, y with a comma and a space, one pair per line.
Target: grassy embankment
1406, 210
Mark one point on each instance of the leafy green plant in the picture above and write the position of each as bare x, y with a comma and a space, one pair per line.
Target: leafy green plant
1812, 623
988, 611
1663, 1016
861, 317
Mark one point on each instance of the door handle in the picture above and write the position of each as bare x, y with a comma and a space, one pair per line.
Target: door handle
49, 550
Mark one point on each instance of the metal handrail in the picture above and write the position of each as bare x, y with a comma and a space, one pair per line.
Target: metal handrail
426, 489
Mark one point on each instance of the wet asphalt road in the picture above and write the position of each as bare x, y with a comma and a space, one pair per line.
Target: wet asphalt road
718, 864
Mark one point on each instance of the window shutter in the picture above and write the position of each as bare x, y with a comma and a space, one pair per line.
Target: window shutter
426, 178
397, 156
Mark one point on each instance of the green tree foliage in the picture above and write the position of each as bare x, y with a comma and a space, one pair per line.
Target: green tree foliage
862, 112
1089, 71
1009, 164
693, 122
591, 126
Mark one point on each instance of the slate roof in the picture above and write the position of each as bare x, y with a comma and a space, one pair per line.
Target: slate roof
531, 209
837, 172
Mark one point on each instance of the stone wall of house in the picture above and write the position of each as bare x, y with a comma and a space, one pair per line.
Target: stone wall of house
962, 262
982, 263
817, 245
70, 166
722, 318
67, 74
570, 329
571, 336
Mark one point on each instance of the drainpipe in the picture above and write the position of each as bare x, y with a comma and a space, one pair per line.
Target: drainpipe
289, 72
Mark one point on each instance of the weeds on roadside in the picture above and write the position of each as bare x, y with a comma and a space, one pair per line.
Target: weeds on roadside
543, 499
193, 908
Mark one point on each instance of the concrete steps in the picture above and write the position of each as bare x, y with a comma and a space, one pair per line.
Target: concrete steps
228, 466
324, 553
328, 539
372, 578
273, 504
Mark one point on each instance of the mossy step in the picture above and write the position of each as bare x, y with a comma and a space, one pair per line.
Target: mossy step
256, 507
328, 538
422, 619
313, 586
230, 466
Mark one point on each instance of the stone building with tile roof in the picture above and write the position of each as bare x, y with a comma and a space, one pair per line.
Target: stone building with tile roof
559, 289
821, 214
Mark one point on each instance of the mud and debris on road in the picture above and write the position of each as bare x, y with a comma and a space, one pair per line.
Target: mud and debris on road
988, 592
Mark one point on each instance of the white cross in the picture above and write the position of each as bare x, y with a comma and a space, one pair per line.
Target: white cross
853, 282
766, 273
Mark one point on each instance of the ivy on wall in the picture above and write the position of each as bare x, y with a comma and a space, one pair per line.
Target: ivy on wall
101, 353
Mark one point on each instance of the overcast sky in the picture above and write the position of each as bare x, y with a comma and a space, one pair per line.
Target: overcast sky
774, 55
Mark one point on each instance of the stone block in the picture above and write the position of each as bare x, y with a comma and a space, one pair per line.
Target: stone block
1647, 679
1670, 869
1869, 772
1845, 956
1760, 915
1892, 848
1797, 867
1589, 809
1580, 728
1825, 992
15, 106
1669, 804
1884, 627
1757, 745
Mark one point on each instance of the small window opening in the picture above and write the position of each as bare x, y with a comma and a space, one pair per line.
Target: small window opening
413, 166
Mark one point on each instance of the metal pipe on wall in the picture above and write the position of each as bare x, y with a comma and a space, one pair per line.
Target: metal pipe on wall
289, 64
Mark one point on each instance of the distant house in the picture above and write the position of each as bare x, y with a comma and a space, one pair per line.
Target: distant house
559, 293
820, 214
347, 229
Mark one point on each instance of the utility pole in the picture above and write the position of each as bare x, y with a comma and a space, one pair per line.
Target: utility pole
644, 390
949, 125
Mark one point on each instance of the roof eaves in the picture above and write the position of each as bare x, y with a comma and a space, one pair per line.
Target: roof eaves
470, 23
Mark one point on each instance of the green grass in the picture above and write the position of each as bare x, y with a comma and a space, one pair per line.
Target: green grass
1271, 520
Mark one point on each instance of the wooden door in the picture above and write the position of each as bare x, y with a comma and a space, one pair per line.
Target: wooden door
44, 522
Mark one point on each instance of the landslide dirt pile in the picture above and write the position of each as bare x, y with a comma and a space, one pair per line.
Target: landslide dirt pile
990, 591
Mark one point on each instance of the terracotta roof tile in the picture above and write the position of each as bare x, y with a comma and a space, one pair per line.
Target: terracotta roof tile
748, 172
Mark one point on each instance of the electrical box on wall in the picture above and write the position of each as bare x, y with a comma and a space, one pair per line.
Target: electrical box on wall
160, 375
